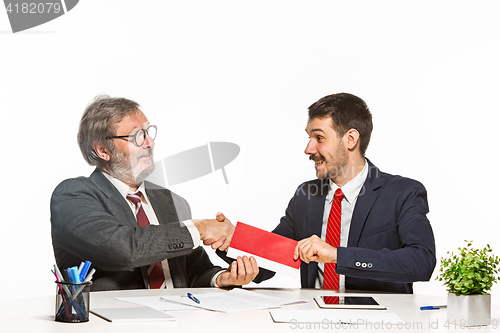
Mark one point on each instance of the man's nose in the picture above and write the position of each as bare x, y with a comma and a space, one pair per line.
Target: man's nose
149, 142
310, 148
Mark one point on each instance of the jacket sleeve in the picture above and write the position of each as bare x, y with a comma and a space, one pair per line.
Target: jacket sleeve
397, 247
200, 269
88, 225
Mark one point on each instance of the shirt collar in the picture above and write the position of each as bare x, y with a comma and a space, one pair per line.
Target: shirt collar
351, 189
124, 189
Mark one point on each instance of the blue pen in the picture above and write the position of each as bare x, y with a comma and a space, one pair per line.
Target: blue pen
71, 279
194, 299
70, 275
76, 277
431, 307
85, 269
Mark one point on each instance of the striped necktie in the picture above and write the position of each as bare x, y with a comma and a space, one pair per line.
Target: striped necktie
331, 279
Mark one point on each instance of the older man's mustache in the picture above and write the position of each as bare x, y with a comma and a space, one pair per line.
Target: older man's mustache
148, 152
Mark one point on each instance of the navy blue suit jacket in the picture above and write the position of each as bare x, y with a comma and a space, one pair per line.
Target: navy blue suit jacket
390, 243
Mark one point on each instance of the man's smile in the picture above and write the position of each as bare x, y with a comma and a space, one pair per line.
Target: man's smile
318, 160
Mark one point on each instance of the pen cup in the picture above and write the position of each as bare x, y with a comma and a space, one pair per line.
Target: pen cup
72, 302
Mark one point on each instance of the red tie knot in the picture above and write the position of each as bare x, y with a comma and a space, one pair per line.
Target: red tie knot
135, 197
338, 194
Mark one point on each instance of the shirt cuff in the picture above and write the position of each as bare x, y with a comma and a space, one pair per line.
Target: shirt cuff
195, 234
214, 279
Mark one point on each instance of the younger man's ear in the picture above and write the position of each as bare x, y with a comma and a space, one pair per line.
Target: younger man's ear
352, 139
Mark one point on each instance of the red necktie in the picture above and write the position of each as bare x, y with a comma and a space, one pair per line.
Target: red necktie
155, 271
331, 279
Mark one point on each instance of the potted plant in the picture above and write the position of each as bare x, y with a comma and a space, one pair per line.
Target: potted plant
468, 276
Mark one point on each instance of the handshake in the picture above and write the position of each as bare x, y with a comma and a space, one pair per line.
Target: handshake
217, 232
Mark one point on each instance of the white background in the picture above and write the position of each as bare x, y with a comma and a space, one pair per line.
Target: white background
245, 72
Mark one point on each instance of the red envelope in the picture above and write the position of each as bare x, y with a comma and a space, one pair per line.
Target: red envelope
271, 250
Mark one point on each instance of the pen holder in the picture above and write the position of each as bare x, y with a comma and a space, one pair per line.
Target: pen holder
72, 302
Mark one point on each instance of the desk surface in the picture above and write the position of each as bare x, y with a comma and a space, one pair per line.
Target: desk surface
37, 315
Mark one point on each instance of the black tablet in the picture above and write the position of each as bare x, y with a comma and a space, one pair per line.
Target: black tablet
348, 302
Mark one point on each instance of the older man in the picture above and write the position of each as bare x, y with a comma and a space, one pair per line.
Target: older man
137, 235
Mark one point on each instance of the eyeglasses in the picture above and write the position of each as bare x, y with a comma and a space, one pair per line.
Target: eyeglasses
139, 136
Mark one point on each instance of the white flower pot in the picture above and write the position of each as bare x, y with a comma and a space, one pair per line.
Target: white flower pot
469, 310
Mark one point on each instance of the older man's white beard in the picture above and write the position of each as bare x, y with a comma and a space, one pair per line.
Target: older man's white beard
128, 171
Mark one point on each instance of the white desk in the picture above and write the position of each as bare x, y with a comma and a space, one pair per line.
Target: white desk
37, 315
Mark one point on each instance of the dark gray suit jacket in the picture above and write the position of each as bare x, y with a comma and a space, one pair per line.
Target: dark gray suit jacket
92, 221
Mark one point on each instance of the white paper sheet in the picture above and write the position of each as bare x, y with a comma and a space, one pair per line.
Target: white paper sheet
234, 300
156, 302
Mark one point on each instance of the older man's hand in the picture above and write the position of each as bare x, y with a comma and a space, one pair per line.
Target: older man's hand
217, 233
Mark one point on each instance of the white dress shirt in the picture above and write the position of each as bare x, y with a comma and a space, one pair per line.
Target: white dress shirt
124, 190
351, 192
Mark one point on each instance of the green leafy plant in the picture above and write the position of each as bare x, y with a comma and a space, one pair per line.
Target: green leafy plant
469, 272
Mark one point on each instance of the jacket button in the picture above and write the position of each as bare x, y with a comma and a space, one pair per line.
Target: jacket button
370, 265
363, 265
357, 264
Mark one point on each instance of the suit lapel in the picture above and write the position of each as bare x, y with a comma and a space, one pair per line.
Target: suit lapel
160, 200
104, 184
314, 223
114, 196
316, 208
165, 211
366, 199
162, 204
